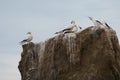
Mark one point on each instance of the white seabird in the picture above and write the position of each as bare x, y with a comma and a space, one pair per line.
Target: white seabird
95, 22
98, 23
71, 29
29, 39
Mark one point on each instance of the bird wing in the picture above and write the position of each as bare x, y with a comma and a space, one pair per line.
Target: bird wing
27, 40
66, 29
59, 32
70, 28
99, 22
107, 25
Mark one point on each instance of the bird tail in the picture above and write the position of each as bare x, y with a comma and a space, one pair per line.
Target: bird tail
59, 32
22, 42
107, 25
80, 27
56, 32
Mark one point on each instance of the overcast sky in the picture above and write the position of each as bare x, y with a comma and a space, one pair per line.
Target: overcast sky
43, 18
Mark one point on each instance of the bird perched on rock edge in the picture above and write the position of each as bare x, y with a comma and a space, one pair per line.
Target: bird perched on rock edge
71, 29
98, 23
28, 39
95, 22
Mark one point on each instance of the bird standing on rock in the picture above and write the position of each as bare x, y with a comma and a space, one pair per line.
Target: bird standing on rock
95, 22
98, 23
71, 29
28, 40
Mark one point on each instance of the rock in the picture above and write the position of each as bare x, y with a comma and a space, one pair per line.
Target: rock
86, 55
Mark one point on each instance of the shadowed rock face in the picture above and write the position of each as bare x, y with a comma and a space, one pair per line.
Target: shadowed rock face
86, 55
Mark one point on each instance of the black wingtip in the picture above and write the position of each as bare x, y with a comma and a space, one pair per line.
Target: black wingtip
80, 27
107, 25
56, 33
99, 22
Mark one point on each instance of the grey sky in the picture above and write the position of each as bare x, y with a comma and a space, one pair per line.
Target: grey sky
44, 18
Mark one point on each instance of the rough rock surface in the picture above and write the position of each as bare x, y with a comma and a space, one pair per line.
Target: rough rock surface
86, 55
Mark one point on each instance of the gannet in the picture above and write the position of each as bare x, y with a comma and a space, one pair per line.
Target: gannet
28, 39
95, 22
99, 23
70, 29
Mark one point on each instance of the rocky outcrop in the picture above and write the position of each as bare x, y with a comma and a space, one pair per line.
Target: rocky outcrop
86, 55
